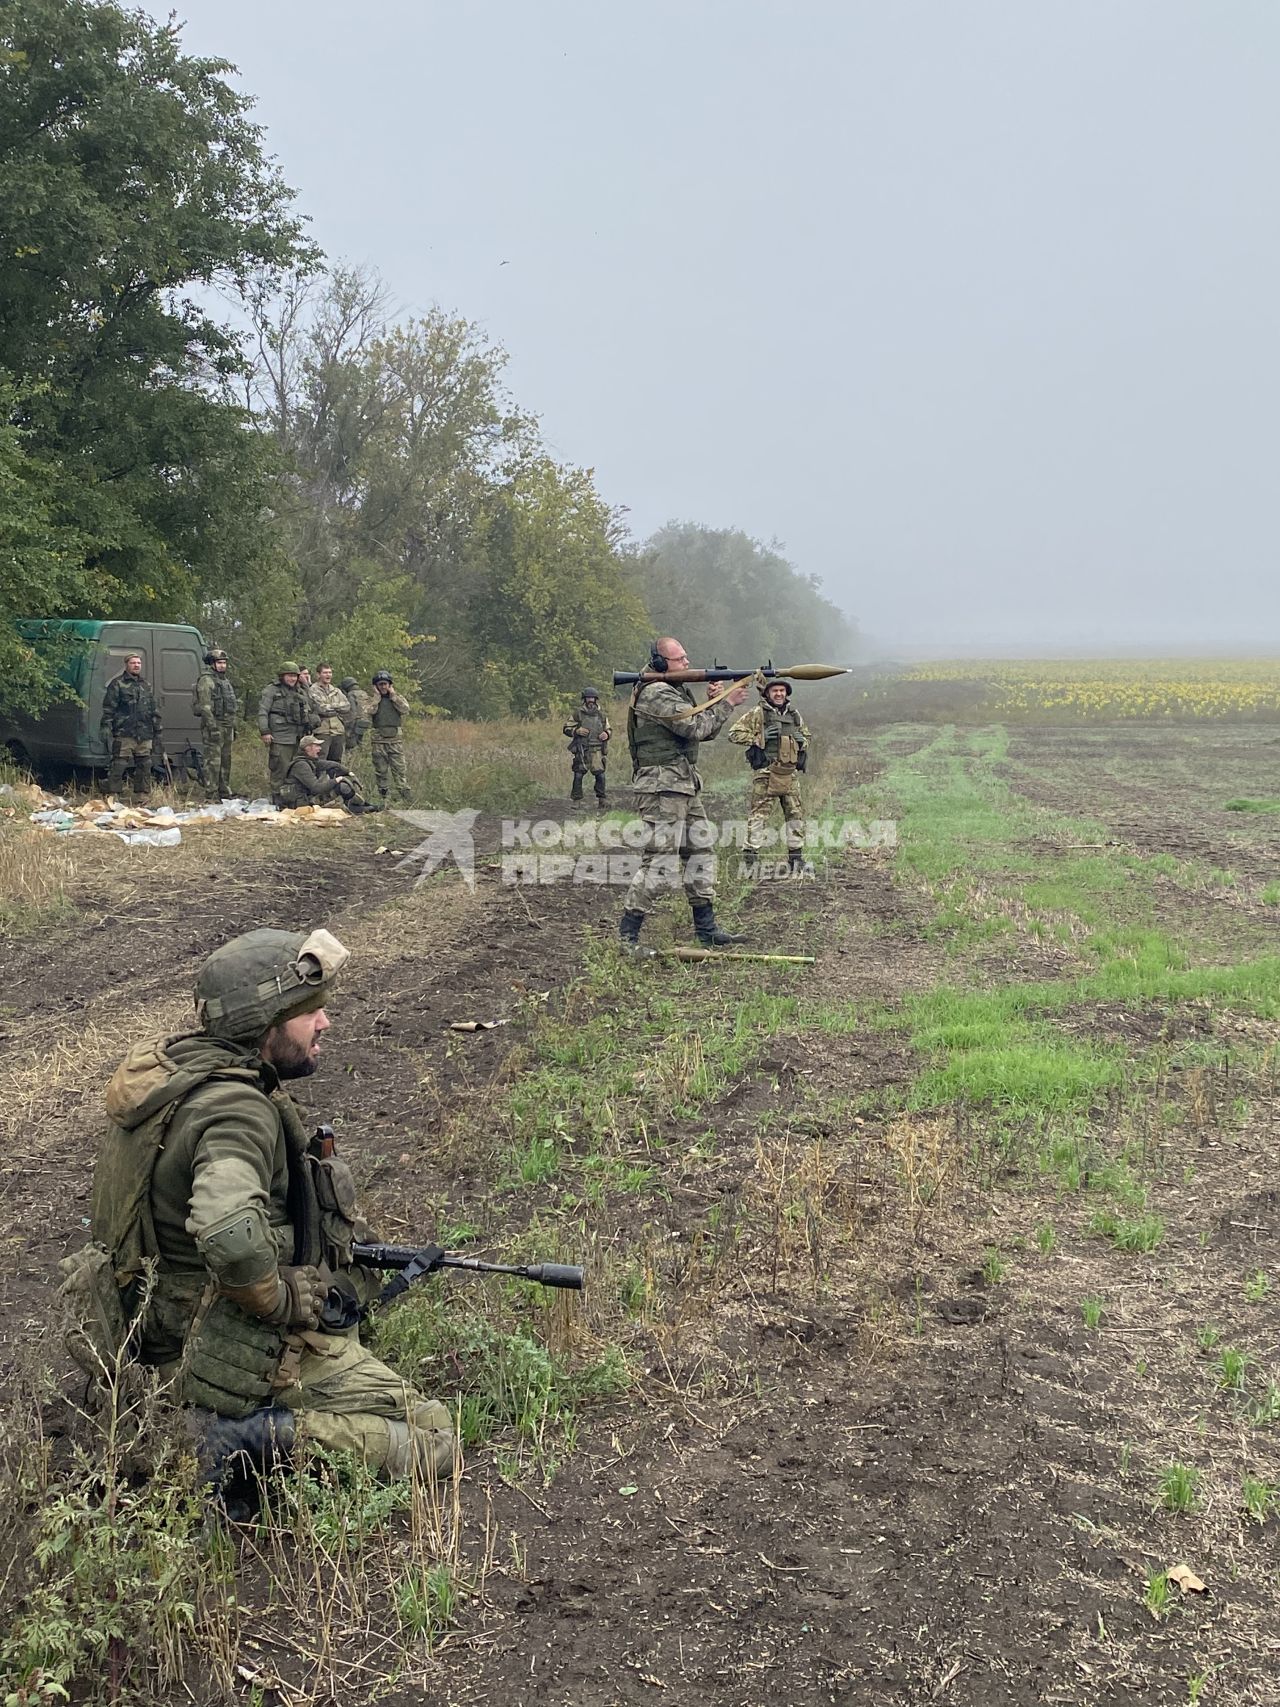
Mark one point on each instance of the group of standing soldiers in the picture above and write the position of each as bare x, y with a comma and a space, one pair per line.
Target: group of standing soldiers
308, 728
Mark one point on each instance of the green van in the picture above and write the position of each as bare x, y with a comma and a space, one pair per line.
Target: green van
67, 732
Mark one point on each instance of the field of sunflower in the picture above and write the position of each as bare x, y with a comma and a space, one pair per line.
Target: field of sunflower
1112, 688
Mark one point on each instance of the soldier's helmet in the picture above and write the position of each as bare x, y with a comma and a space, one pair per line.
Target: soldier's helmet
215, 655
774, 682
290, 669
347, 683
263, 978
380, 676
589, 693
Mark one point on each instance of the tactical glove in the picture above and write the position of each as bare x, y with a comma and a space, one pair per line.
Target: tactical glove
757, 758
803, 759
290, 1298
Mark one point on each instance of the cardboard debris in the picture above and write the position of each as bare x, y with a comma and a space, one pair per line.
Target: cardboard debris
476, 1024
1186, 1579
162, 826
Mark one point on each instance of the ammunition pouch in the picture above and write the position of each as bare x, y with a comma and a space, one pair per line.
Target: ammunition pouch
335, 1188
757, 758
788, 750
94, 1326
231, 1362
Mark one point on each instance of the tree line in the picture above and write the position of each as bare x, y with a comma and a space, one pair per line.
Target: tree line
202, 421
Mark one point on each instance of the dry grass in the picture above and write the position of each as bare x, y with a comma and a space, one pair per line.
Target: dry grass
35, 874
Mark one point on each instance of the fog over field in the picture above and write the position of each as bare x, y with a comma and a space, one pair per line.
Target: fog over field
971, 307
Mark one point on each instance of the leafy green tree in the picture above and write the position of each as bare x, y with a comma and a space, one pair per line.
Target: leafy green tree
129, 174
556, 612
727, 596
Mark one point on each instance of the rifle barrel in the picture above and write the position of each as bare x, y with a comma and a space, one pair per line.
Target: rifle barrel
396, 1257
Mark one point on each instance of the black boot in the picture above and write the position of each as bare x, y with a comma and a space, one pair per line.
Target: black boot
750, 860
575, 792
233, 1452
629, 933
708, 932
795, 860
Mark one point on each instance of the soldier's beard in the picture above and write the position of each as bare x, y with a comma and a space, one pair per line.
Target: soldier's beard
291, 1060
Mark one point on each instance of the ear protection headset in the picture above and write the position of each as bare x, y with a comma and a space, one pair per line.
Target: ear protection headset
657, 661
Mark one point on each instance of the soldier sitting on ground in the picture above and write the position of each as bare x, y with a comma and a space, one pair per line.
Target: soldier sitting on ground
313, 781
226, 1228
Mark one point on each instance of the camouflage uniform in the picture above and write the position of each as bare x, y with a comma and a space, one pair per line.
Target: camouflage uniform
777, 742
313, 781
359, 714
387, 743
214, 702
332, 708
663, 735
286, 715
589, 733
207, 1172
130, 728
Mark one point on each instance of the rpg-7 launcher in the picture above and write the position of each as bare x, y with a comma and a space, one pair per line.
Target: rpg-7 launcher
720, 673
410, 1263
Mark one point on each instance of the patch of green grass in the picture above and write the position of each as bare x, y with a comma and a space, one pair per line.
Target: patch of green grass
504, 1374
1142, 1233
1270, 896
1259, 1499
1246, 805
1208, 1336
1157, 1596
427, 1601
994, 1266
1233, 1365
1091, 1309
1265, 1409
1046, 1238
1257, 1288
1179, 1487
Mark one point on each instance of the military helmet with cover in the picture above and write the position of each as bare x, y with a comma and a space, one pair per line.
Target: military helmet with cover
290, 669
589, 693
380, 676
263, 978
347, 683
770, 682
215, 655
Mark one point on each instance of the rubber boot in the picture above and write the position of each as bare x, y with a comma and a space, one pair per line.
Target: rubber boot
629, 927
709, 933
234, 1452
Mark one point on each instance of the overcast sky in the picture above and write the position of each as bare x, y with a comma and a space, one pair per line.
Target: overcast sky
972, 304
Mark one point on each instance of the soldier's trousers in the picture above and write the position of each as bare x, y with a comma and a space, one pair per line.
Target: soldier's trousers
593, 762
786, 791
387, 752
217, 757
334, 747
676, 850
130, 755
344, 1398
280, 755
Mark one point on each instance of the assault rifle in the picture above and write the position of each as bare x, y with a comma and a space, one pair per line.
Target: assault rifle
719, 673
410, 1263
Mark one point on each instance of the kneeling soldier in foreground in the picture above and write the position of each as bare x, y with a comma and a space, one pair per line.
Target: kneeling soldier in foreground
208, 1173
313, 781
